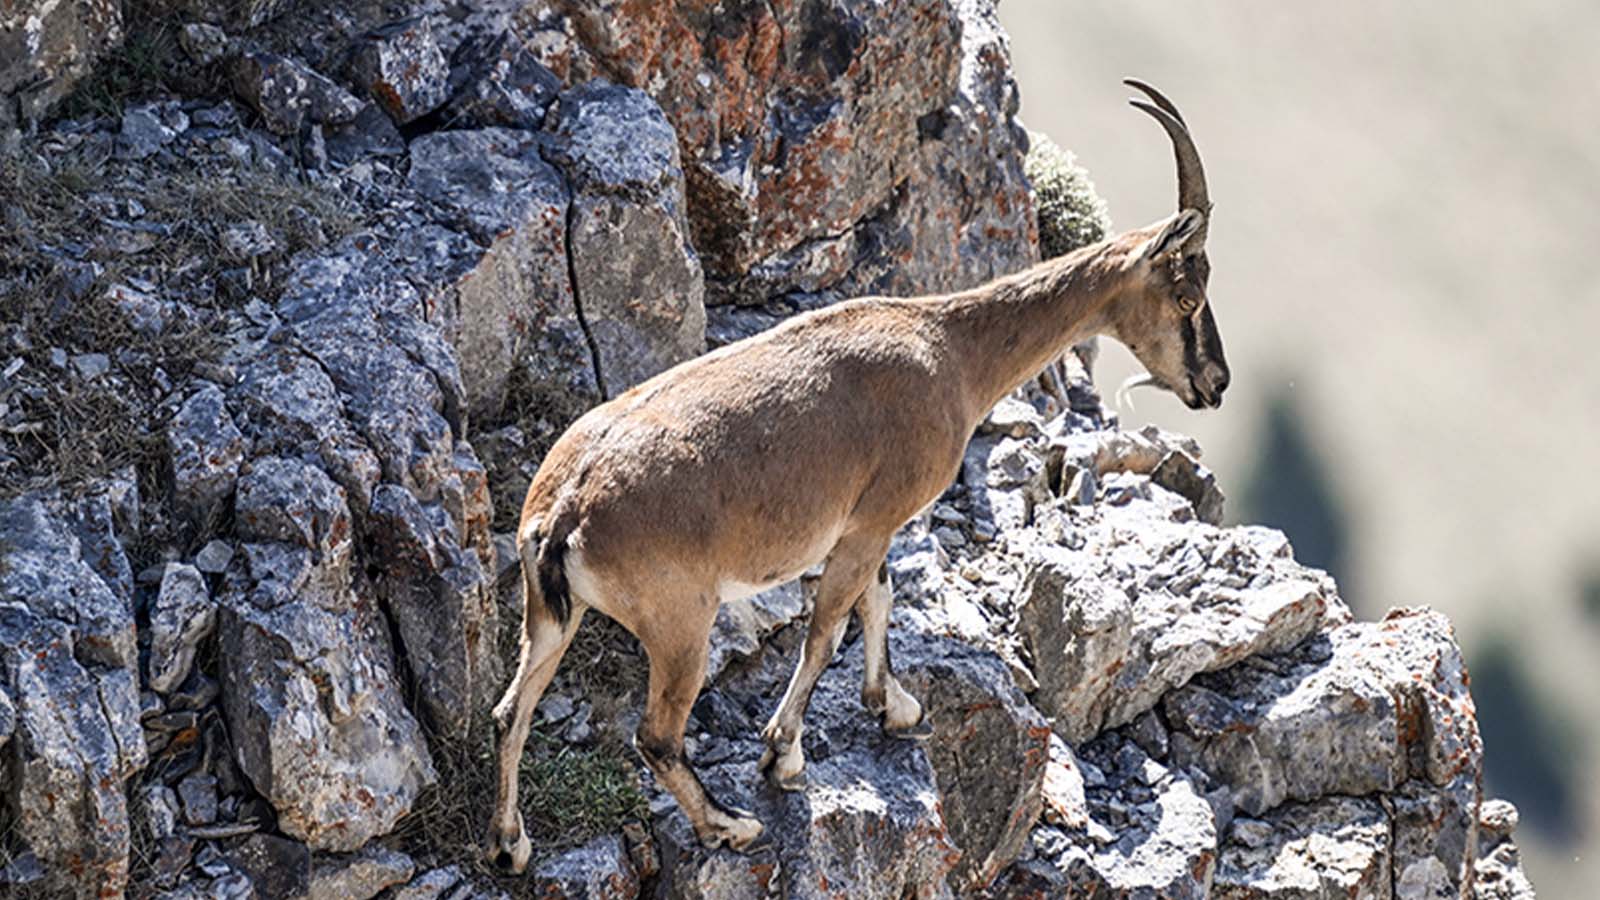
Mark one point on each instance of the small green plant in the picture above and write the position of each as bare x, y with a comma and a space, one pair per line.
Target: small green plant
1071, 214
567, 795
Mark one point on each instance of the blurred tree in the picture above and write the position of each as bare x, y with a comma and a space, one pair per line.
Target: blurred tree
1589, 591
1530, 756
1290, 488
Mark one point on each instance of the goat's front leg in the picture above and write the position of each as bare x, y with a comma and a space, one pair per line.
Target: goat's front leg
881, 693
847, 574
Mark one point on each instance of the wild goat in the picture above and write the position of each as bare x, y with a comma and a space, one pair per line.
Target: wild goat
816, 441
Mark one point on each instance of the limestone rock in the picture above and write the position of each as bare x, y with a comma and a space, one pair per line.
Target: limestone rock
440, 601
1333, 847
498, 80
143, 133
1359, 710
46, 47
743, 626
430, 885
638, 284
313, 706
205, 43
204, 450
182, 616
289, 94
68, 671
276, 867
294, 502
598, 870
1435, 837
989, 750
1498, 871
401, 65
235, 14
782, 143
507, 300
1062, 791
965, 212
1150, 833
359, 875
1113, 624
859, 783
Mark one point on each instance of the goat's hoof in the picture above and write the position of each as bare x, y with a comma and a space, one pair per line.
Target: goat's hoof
740, 832
785, 771
510, 856
920, 730
790, 783
761, 843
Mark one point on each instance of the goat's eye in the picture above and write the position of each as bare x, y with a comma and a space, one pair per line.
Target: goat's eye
1187, 303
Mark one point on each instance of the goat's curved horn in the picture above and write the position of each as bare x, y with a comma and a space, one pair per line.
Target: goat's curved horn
1158, 98
1192, 191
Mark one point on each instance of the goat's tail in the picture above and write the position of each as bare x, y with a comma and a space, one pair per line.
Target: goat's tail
549, 570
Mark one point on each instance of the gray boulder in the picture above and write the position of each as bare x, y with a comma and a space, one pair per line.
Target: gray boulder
598, 870
503, 298
204, 450
800, 179
294, 502
867, 824
313, 705
68, 671
965, 212
288, 94
743, 626
235, 14
1435, 837
355, 393
989, 751
1497, 874
440, 600
1149, 832
360, 875
498, 80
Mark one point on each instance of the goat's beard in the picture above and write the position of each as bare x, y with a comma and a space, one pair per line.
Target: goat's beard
1124, 392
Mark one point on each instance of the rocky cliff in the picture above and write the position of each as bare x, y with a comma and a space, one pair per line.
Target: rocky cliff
285, 335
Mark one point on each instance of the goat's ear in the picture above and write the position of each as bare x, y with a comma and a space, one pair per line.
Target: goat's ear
1176, 232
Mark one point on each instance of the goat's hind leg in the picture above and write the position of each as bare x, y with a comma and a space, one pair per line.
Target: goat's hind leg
677, 671
881, 693
543, 643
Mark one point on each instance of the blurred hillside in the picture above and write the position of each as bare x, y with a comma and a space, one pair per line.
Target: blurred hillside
1406, 201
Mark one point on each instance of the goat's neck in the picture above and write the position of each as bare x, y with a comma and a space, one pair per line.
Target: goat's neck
1003, 333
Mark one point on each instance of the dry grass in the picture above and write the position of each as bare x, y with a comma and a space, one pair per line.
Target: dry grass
568, 795
72, 430
149, 63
